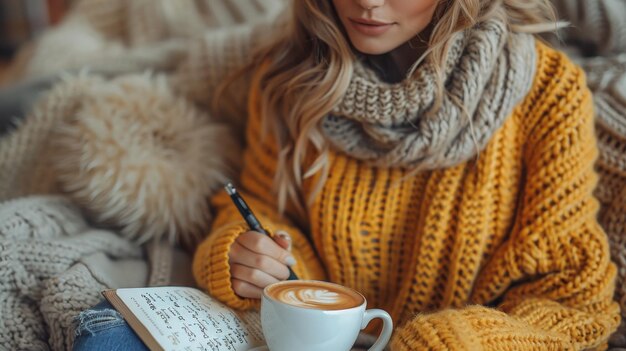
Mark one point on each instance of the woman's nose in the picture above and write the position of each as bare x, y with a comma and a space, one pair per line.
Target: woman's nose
370, 4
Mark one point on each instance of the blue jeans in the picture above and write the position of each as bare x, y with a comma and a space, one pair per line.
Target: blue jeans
103, 328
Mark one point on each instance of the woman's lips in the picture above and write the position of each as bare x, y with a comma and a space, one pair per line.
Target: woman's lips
369, 27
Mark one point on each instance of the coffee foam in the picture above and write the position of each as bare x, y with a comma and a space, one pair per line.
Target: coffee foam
315, 295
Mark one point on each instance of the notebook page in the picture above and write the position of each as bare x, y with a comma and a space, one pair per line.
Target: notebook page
186, 319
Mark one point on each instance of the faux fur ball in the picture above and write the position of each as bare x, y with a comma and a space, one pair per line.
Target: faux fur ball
143, 160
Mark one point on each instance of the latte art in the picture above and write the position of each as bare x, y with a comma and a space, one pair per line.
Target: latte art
316, 295
311, 297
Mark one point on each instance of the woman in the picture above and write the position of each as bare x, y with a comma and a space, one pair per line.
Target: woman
433, 156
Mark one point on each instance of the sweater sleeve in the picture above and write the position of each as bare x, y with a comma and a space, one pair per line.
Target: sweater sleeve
552, 281
211, 267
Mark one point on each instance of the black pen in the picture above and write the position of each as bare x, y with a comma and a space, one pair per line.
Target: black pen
252, 221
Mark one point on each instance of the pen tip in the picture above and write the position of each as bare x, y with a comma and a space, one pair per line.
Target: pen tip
230, 189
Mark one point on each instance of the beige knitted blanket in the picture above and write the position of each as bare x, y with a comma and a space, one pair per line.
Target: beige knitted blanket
54, 265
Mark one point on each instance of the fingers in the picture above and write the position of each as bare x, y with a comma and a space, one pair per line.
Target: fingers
256, 261
240, 254
253, 276
264, 245
246, 290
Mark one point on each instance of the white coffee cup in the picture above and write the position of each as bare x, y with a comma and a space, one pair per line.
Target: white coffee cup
308, 315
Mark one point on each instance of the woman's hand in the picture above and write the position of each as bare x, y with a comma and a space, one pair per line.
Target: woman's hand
256, 261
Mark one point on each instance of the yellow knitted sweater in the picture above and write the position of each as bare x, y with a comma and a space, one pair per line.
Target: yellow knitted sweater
499, 253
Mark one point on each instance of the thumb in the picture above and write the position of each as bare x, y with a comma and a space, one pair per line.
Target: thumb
283, 239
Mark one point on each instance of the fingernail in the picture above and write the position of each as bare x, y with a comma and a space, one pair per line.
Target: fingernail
290, 261
286, 237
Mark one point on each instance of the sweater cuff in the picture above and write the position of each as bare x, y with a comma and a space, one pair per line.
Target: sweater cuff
540, 314
212, 269
445, 330
473, 328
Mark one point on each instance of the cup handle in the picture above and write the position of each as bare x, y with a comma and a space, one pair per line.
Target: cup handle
385, 334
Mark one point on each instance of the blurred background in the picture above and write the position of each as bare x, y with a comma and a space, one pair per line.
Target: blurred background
21, 20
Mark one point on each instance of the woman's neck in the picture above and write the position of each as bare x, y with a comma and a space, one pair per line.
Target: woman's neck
396, 64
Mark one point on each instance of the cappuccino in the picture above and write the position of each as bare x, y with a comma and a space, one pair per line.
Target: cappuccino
315, 295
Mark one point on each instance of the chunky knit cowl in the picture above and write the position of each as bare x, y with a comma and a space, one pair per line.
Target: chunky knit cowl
488, 71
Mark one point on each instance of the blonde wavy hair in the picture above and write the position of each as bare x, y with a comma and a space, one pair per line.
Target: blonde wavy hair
309, 66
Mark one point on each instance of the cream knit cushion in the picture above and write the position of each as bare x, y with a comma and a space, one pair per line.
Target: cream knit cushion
136, 156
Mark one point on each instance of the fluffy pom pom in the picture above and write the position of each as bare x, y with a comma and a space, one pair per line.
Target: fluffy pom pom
143, 160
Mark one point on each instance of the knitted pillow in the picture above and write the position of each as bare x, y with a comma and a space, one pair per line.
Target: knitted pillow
142, 160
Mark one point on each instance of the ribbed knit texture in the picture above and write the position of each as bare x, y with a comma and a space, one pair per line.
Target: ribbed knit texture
44, 283
598, 32
53, 265
499, 253
487, 72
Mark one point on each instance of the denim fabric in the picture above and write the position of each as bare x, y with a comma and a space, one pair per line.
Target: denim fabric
103, 328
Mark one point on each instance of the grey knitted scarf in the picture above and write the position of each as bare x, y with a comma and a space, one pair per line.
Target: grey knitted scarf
487, 73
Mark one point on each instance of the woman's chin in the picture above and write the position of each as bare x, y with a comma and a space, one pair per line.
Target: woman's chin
373, 47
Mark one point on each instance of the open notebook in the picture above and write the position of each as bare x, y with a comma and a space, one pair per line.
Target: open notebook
182, 318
